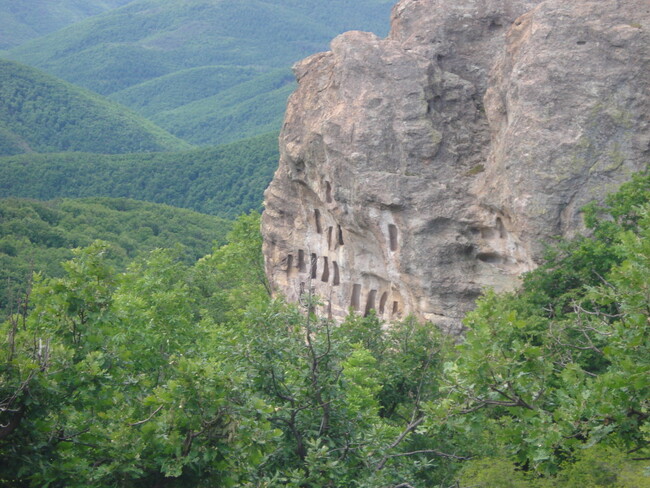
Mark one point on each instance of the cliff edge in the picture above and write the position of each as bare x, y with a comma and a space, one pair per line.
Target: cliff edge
419, 169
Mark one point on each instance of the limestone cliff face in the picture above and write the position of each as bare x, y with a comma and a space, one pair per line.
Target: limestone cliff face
418, 169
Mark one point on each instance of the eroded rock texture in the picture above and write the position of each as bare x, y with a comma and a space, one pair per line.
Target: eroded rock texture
418, 169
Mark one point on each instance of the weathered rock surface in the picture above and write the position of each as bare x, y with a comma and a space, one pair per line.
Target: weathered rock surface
418, 169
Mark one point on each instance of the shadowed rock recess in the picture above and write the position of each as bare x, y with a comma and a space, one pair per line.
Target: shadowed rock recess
419, 169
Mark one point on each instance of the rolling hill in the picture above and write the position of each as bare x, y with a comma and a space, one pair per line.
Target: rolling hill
25, 20
224, 180
189, 52
40, 113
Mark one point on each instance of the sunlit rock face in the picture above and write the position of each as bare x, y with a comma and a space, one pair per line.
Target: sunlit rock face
419, 169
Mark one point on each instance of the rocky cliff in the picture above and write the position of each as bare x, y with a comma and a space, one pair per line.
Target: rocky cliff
419, 169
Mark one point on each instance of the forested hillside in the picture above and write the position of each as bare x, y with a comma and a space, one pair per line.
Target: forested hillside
114, 53
190, 375
39, 236
245, 110
40, 113
22, 21
224, 181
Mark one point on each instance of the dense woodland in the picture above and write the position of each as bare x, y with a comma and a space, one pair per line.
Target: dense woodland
224, 180
176, 374
37, 237
40, 113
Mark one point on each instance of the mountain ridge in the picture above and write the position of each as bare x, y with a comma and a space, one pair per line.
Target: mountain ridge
40, 113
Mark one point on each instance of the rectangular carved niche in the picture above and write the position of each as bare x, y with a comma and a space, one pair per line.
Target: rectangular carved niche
289, 263
340, 235
392, 237
319, 229
356, 296
370, 302
314, 265
328, 192
301, 261
326, 271
329, 237
336, 281
382, 302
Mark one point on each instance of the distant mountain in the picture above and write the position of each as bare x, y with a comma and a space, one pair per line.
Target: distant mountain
40, 113
225, 180
28, 19
244, 110
186, 52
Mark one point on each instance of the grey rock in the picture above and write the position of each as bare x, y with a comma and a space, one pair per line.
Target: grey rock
419, 169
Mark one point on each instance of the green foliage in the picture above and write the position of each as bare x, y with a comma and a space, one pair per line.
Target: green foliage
570, 266
178, 375
38, 236
232, 278
225, 181
40, 113
155, 44
109, 383
245, 110
594, 467
563, 365
182, 87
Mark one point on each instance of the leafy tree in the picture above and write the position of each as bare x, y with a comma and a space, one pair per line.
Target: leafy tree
562, 365
38, 236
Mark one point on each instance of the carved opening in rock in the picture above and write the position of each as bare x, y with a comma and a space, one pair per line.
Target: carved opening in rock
370, 302
501, 228
340, 235
356, 295
335, 280
329, 237
328, 192
299, 166
301, 261
382, 302
581, 43
494, 25
392, 237
326, 271
314, 265
289, 263
489, 257
395, 308
319, 230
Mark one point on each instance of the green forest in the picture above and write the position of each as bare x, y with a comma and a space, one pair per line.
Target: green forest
177, 374
225, 181
201, 69
40, 113
37, 237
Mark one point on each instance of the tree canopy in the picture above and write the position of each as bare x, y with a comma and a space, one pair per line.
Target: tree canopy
176, 374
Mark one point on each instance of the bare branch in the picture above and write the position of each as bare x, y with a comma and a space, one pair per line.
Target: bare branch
140, 422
